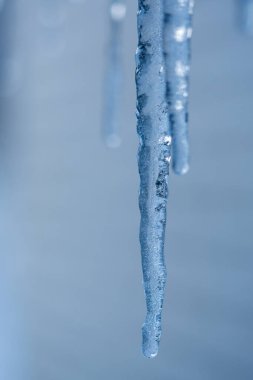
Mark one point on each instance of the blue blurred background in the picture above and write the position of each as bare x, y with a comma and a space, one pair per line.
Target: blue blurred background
71, 297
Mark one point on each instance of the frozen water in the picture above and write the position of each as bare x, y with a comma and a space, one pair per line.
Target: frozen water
154, 153
114, 74
177, 37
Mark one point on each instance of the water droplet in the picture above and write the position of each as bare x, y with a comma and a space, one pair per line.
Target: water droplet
118, 11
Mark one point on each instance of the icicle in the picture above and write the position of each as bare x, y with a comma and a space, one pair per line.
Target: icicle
177, 38
52, 13
153, 159
111, 120
2, 2
246, 16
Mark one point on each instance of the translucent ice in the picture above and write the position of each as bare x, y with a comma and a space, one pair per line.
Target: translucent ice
177, 38
153, 159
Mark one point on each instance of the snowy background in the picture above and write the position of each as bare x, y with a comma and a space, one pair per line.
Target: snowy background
71, 297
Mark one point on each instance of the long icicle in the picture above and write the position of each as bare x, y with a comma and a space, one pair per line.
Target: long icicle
113, 80
153, 160
177, 38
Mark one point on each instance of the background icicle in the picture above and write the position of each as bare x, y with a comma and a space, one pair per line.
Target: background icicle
245, 10
113, 80
154, 157
177, 38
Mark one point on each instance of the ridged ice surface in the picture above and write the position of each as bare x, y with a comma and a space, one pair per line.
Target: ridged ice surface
177, 38
154, 157
113, 79
69, 266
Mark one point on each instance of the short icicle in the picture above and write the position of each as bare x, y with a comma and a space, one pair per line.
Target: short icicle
113, 79
153, 160
177, 52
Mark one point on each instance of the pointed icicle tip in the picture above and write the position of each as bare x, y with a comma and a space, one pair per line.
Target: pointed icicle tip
150, 343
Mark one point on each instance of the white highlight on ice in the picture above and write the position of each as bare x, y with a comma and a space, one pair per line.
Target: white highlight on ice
180, 69
118, 11
180, 34
165, 140
179, 105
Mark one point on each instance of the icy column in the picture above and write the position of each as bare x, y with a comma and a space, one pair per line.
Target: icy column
153, 159
177, 49
246, 15
113, 93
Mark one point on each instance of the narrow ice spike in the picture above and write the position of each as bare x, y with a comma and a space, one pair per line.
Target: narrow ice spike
177, 52
153, 160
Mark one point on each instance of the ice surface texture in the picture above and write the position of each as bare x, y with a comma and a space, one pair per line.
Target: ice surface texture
177, 38
153, 159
